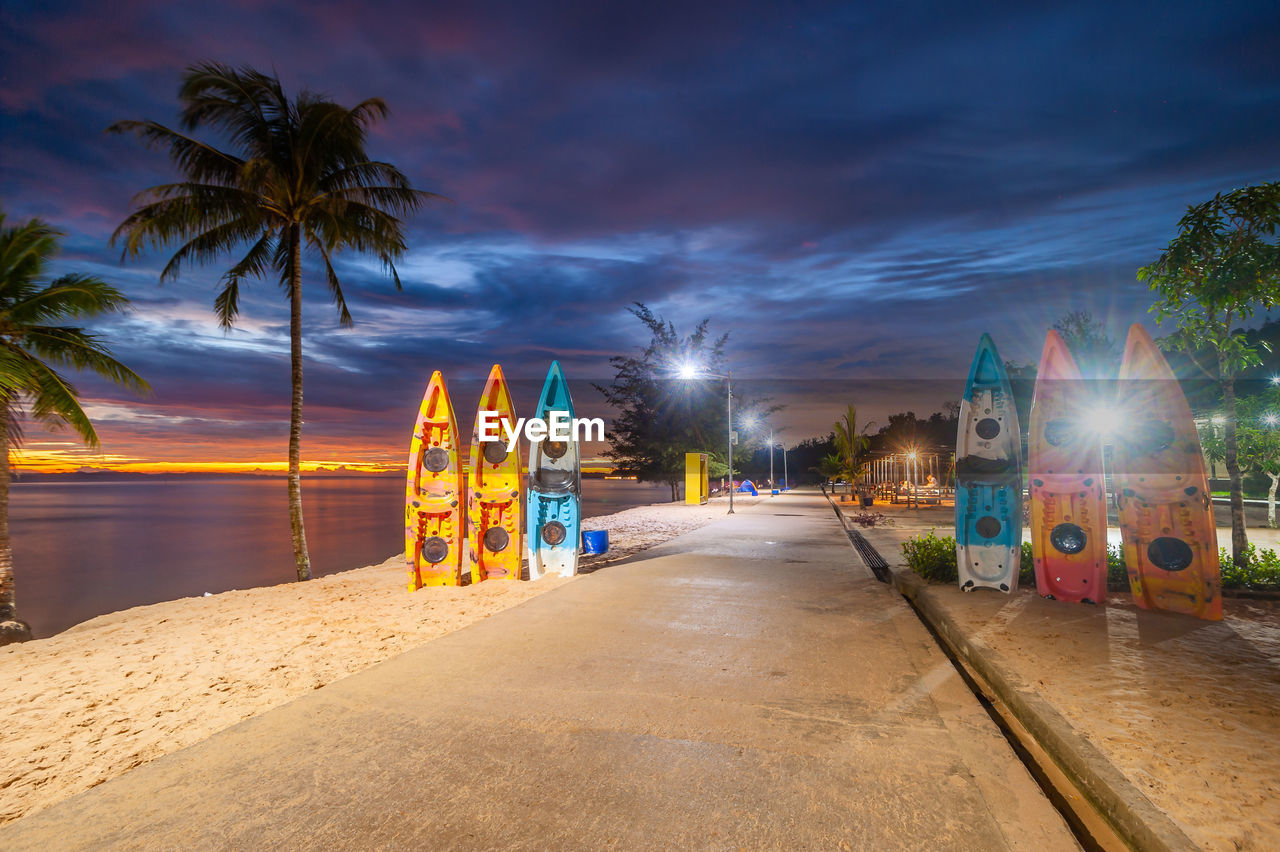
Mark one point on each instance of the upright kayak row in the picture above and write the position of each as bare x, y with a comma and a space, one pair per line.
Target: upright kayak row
475, 526
1166, 513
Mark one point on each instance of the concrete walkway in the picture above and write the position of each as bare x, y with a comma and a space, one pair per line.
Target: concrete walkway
749, 684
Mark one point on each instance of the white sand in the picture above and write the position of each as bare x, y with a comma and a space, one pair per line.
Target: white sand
119, 690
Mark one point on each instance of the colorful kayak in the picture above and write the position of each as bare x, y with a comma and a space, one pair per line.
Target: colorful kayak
554, 513
1166, 509
988, 477
1068, 499
433, 515
495, 505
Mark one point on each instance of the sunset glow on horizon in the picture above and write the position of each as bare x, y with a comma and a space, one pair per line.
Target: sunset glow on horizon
54, 461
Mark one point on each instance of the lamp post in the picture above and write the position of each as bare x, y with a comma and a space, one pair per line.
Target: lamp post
770, 461
786, 480
690, 370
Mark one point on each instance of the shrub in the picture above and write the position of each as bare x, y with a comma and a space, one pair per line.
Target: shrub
933, 558
1117, 574
870, 519
1261, 571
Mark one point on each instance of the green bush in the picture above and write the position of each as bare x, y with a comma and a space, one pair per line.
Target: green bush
1117, 574
1261, 571
934, 559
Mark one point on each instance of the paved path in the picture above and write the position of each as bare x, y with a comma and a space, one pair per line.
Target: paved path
745, 685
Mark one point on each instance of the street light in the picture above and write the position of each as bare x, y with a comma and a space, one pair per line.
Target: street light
786, 479
770, 461
691, 370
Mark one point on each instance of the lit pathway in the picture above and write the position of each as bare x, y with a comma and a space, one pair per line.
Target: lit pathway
745, 685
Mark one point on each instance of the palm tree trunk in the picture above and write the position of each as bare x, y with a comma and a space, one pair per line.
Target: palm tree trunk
302, 560
1271, 499
1239, 540
12, 629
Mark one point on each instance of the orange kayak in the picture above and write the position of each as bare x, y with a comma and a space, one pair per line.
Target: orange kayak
1166, 510
433, 515
1068, 502
495, 492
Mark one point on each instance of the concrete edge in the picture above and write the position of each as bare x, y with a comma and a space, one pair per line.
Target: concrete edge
1139, 822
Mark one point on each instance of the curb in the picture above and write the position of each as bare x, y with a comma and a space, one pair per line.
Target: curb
1130, 812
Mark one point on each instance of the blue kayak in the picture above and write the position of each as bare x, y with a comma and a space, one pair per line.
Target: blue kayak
554, 494
988, 477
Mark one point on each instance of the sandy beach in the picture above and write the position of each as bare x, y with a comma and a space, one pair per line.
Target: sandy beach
122, 689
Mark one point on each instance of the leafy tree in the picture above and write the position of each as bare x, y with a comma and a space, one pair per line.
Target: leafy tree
1095, 352
849, 443
904, 431
295, 175
660, 418
1258, 442
1022, 381
806, 457
34, 343
830, 466
1221, 268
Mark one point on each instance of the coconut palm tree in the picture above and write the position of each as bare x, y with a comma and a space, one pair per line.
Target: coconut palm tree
32, 345
295, 174
849, 443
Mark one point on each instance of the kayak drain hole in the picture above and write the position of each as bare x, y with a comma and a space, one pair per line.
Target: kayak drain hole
435, 459
496, 539
553, 533
1170, 554
435, 550
1068, 538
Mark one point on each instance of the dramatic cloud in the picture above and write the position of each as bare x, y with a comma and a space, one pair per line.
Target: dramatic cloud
854, 193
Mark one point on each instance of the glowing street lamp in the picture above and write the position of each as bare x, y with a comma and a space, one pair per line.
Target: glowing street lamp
693, 370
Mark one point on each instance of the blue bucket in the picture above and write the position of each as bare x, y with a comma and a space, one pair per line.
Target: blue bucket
595, 541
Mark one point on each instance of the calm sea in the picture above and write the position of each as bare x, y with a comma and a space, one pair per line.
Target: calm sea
82, 549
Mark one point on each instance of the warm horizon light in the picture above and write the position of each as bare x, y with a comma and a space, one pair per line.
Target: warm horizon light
26, 461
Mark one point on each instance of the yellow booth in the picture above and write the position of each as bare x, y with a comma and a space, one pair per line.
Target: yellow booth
697, 490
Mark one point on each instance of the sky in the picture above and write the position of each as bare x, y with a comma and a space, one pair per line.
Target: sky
854, 192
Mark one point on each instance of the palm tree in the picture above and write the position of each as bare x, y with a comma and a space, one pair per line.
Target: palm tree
295, 173
849, 443
32, 344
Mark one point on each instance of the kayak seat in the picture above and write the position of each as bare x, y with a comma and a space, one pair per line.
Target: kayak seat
553, 481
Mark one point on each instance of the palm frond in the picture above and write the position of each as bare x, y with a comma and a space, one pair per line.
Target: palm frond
181, 217
54, 401
199, 161
335, 290
24, 251
74, 347
299, 163
68, 296
209, 245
